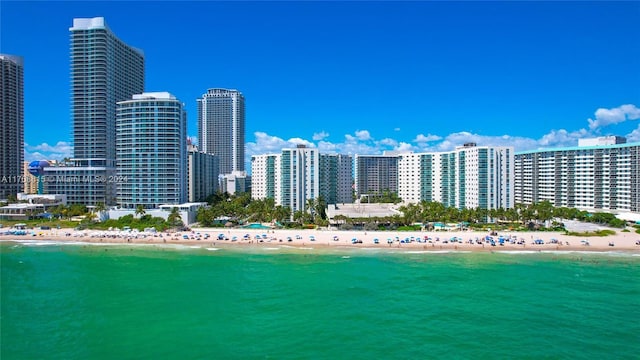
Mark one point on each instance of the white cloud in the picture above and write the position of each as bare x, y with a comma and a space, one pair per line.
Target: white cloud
320, 136
404, 147
353, 145
454, 140
396, 129
362, 143
327, 147
44, 151
363, 135
634, 136
358, 148
388, 142
59, 147
560, 138
421, 139
350, 138
620, 114
267, 144
299, 141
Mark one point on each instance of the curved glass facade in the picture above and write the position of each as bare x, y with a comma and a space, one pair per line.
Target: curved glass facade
151, 151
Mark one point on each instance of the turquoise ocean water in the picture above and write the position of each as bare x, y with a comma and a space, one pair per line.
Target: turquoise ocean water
143, 302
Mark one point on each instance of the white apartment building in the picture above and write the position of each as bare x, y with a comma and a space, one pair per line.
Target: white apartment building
413, 184
299, 177
300, 174
468, 177
603, 174
266, 177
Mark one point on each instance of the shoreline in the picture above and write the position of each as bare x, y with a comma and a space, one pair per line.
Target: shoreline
423, 241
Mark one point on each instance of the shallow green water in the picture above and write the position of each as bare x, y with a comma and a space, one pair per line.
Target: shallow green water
107, 302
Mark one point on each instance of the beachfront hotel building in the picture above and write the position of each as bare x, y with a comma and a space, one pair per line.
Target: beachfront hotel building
203, 174
104, 71
221, 127
468, 177
417, 173
299, 177
598, 174
299, 174
11, 125
375, 175
266, 177
336, 178
151, 151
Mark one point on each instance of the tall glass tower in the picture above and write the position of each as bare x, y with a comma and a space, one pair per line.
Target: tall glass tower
11, 125
221, 127
151, 149
104, 70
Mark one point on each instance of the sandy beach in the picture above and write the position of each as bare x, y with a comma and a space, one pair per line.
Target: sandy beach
412, 240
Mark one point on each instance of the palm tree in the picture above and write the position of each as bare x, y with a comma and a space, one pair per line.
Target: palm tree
255, 211
512, 214
77, 210
90, 217
410, 212
543, 211
482, 214
321, 206
64, 211
281, 213
526, 214
205, 216
298, 216
432, 211
140, 210
100, 207
310, 204
174, 219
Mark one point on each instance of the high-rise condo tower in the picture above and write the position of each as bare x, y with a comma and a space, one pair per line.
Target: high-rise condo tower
11, 125
104, 70
221, 127
151, 150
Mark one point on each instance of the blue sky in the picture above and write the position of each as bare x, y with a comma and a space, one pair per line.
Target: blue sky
358, 77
